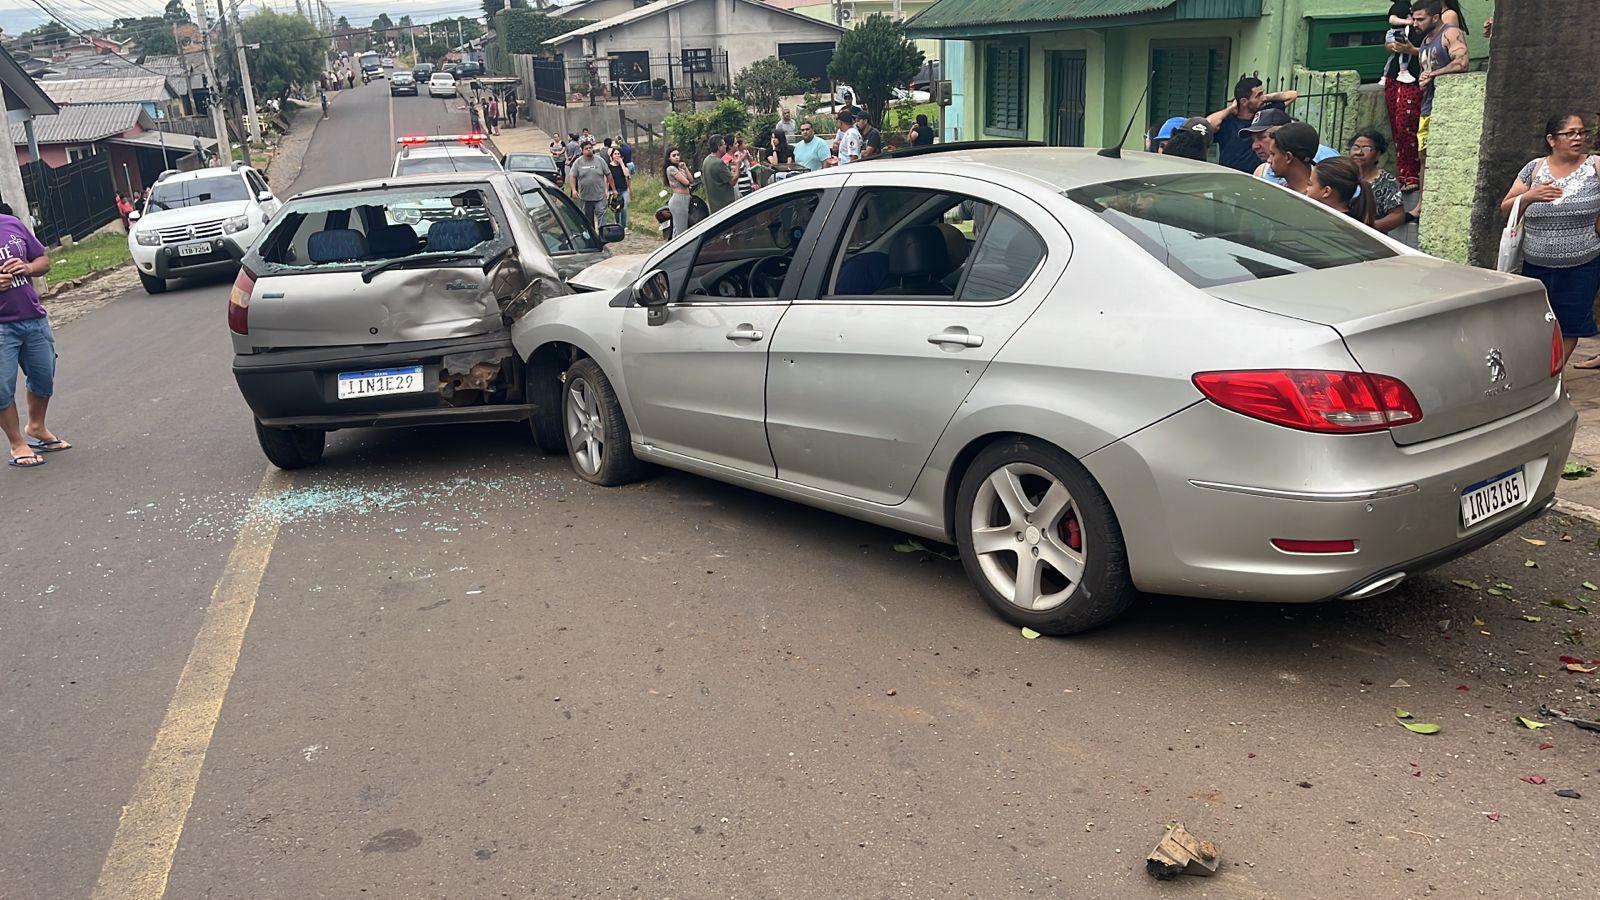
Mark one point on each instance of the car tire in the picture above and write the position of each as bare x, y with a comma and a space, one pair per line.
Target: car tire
291, 448
152, 284
545, 392
595, 431
1066, 541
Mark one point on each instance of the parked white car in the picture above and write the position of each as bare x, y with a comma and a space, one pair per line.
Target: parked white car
441, 84
179, 232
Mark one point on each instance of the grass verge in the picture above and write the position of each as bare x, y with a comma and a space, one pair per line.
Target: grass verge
643, 197
101, 252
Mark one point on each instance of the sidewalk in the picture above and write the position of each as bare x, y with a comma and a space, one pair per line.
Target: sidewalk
1583, 385
525, 138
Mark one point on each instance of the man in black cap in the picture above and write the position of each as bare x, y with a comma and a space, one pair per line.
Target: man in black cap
1259, 134
1191, 140
1250, 98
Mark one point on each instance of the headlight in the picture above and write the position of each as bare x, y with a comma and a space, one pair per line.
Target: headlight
235, 224
149, 238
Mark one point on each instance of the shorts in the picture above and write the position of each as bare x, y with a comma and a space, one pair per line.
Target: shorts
1572, 293
1422, 134
30, 344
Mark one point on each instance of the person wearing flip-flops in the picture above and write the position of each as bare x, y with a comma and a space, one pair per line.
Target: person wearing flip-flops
26, 343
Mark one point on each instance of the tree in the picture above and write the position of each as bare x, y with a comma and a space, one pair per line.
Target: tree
176, 13
490, 7
874, 58
47, 32
765, 82
405, 22
1527, 84
343, 24
153, 34
291, 53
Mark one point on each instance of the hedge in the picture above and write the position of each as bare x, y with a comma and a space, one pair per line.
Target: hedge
525, 31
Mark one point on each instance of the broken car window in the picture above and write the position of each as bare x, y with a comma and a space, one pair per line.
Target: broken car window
359, 229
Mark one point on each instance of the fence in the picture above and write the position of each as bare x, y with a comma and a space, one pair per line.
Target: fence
76, 199
698, 76
1324, 100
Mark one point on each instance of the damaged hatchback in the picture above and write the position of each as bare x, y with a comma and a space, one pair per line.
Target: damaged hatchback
390, 303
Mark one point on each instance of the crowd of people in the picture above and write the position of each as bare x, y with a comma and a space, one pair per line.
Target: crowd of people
599, 174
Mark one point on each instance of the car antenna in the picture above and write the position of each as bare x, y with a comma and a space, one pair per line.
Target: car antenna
1115, 152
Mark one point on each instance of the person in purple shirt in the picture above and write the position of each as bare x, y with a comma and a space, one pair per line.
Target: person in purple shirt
25, 341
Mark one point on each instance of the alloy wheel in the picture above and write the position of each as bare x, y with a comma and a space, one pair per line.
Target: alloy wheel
585, 432
1028, 537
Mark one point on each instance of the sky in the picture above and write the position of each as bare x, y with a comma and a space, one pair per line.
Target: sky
17, 16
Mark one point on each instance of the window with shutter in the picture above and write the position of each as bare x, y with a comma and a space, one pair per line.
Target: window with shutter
1005, 104
1188, 78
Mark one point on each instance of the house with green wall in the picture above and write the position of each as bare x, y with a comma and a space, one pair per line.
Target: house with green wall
1072, 72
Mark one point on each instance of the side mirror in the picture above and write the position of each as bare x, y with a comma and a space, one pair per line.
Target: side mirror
232, 248
611, 233
653, 292
133, 216
264, 196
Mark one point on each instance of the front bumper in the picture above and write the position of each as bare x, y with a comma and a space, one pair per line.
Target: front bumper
299, 388
1201, 494
164, 261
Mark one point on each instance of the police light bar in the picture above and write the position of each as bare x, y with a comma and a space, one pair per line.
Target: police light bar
416, 140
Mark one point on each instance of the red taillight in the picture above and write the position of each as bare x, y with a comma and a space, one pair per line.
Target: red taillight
239, 302
1558, 352
1289, 545
1314, 400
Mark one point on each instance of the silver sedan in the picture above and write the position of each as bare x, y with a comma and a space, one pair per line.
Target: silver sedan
1094, 376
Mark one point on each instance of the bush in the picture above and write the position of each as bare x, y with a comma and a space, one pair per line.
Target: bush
525, 31
691, 132
766, 81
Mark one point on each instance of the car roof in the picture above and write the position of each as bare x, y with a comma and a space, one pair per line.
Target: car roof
194, 174
423, 180
1062, 168
430, 151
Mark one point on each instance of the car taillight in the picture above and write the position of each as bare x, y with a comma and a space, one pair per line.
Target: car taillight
1558, 352
1314, 400
239, 302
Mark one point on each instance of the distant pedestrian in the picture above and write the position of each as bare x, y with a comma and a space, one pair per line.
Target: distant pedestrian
1191, 140
589, 178
848, 142
124, 209
1336, 183
511, 110
1560, 210
1294, 152
573, 147
786, 124
491, 114
676, 174
716, 176
871, 138
1401, 93
1388, 207
1443, 52
323, 96
810, 151
620, 187
1235, 143
627, 153
921, 134
26, 342
779, 153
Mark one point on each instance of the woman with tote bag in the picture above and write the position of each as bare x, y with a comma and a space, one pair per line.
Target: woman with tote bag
1557, 197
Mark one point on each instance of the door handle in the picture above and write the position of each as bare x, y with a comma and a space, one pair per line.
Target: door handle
956, 337
745, 333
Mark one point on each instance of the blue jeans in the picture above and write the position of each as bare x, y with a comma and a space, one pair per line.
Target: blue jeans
622, 214
30, 344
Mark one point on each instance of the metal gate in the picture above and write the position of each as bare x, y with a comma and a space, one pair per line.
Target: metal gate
1068, 80
76, 199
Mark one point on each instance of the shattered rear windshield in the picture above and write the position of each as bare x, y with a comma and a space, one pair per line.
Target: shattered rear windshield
359, 229
198, 192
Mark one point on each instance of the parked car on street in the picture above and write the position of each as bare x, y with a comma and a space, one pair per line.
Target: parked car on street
1093, 375
389, 303
541, 164
402, 82
180, 231
432, 153
441, 84
422, 72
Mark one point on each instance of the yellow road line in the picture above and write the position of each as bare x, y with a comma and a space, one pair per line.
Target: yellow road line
140, 859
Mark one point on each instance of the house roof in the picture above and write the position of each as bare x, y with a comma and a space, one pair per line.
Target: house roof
661, 6
83, 124
18, 82
156, 140
179, 70
981, 18
110, 89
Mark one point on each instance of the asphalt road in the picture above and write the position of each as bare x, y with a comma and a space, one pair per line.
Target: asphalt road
468, 674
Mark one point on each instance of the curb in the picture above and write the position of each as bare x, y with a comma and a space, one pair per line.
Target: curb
1578, 510
64, 287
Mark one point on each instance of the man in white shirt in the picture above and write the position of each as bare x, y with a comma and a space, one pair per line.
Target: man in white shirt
849, 139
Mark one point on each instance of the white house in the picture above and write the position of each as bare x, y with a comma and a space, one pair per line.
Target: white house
692, 36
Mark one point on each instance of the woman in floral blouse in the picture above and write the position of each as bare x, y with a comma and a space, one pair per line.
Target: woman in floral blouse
1367, 148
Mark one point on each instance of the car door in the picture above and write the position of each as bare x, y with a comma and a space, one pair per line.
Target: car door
696, 379
258, 186
894, 326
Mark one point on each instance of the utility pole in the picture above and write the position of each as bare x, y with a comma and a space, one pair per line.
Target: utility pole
214, 94
244, 74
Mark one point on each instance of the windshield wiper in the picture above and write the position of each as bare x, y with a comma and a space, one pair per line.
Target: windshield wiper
403, 262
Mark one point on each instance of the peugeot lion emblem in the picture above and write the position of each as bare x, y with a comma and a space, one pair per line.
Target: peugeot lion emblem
1499, 379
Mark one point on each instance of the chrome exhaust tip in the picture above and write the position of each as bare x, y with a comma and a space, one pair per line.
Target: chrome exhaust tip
1374, 588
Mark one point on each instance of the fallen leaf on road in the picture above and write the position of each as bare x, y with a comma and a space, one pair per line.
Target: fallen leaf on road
1528, 618
1529, 723
1529, 564
1582, 669
1400, 682
1567, 538
1570, 659
1492, 816
1569, 793
1546, 745
1535, 541
1533, 779
1496, 592
1503, 586
1029, 633
1466, 583
1421, 727
1462, 687
1590, 586
1401, 714
1569, 605
1477, 622
1574, 471
1574, 636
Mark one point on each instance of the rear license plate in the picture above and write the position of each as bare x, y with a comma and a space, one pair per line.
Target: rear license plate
353, 385
197, 249
1486, 499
